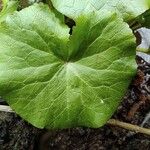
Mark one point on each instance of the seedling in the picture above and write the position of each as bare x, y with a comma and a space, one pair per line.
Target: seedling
55, 78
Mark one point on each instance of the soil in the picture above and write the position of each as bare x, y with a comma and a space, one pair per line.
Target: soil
16, 134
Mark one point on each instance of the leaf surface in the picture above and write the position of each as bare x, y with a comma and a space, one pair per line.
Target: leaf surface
55, 80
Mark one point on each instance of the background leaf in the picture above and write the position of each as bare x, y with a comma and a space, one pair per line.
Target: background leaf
126, 8
8, 8
144, 19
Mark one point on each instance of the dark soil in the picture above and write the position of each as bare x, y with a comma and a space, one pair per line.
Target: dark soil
16, 134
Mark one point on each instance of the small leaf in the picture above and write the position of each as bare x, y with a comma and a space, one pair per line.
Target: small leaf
145, 40
55, 80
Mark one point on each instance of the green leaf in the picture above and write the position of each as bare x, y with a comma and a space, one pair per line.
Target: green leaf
128, 9
8, 8
148, 2
144, 19
55, 80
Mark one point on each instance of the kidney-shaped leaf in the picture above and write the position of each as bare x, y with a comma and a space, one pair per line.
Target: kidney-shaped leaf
54, 80
128, 9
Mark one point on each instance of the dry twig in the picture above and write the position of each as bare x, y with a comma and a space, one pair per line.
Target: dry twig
129, 126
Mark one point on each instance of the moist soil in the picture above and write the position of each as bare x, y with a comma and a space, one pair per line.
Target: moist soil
16, 134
